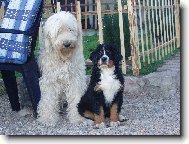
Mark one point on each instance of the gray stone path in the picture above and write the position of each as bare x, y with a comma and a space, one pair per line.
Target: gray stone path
173, 64
151, 105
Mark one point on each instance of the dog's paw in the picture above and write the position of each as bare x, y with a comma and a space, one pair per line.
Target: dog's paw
50, 121
100, 126
86, 122
115, 124
97, 88
122, 118
25, 111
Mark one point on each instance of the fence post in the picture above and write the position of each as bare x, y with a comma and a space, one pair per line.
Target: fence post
86, 17
177, 22
141, 30
146, 30
173, 25
78, 14
58, 8
99, 21
122, 36
132, 28
66, 5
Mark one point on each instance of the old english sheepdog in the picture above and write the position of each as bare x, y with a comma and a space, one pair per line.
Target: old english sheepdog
62, 66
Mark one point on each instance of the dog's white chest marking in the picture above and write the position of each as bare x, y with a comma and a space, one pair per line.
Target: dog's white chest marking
109, 84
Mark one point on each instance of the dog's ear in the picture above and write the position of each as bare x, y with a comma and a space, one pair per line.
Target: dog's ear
117, 54
99, 47
47, 45
93, 55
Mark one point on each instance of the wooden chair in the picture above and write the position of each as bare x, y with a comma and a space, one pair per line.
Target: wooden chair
17, 51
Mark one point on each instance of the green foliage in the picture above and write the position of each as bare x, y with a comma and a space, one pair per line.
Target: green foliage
112, 33
89, 70
16, 73
149, 68
89, 44
152, 67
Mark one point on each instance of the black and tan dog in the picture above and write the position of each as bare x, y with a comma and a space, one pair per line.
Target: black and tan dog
104, 96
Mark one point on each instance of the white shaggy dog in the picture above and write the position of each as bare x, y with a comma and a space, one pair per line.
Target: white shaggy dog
63, 68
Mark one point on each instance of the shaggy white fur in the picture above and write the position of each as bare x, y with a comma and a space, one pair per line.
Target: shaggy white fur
63, 69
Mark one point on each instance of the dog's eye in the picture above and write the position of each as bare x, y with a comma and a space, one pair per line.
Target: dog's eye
101, 53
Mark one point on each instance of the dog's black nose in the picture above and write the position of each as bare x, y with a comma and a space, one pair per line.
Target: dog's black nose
67, 44
104, 59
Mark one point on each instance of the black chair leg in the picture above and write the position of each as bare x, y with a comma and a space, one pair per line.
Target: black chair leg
11, 88
30, 74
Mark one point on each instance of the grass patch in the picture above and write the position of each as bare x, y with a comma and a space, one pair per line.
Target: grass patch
149, 68
152, 67
89, 44
16, 73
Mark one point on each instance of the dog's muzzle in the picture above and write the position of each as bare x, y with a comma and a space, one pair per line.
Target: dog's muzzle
104, 60
67, 44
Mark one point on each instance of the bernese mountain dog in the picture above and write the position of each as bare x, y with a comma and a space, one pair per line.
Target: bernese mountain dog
104, 96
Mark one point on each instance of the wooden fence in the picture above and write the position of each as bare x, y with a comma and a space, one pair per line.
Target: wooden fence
98, 13
154, 30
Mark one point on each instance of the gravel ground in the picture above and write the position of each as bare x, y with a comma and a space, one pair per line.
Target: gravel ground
147, 115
